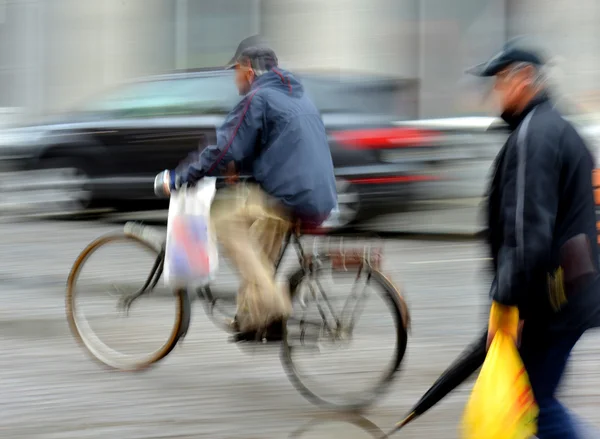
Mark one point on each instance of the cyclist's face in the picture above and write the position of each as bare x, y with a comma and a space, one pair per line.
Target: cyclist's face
244, 76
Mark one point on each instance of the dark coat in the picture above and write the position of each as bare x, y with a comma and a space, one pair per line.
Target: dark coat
276, 134
542, 222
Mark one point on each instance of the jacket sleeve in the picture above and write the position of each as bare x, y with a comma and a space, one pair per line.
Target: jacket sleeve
236, 139
529, 205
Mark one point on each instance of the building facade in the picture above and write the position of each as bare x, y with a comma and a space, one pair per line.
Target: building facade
56, 52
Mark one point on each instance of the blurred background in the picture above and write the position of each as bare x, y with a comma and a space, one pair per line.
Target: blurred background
97, 97
56, 52
383, 63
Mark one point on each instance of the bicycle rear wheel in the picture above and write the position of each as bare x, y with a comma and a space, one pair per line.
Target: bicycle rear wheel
136, 330
338, 351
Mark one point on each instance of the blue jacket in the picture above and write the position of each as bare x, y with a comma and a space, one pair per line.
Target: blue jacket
275, 133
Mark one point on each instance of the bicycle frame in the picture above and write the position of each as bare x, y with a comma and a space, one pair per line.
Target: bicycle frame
158, 268
309, 266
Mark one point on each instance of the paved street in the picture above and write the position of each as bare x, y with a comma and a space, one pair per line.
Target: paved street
208, 388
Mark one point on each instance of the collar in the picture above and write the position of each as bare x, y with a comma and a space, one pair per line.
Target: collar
514, 120
260, 80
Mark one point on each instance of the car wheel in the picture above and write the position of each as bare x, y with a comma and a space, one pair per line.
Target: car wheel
348, 209
62, 186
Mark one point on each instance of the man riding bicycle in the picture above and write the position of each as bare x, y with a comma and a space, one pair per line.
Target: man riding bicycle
274, 134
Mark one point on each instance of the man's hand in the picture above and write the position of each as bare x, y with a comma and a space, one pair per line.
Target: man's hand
504, 318
167, 183
492, 334
162, 186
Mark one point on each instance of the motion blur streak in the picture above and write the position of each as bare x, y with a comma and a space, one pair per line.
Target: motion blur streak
97, 97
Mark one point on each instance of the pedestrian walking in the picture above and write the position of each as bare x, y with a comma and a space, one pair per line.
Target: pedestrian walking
541, 229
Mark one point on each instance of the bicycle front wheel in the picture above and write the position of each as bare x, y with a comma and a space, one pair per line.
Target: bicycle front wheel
347, 336
117, 325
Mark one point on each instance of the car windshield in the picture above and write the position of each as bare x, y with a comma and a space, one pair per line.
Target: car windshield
216, 94
334, 96
366, 95
211, 94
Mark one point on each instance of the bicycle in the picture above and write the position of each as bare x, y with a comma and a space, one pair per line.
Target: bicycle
329, 327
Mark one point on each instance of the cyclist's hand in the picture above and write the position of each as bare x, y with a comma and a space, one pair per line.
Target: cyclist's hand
163, 184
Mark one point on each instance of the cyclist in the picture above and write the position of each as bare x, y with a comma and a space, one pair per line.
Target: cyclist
276, 135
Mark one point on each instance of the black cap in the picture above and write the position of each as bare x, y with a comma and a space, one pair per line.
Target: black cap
513, 52
258, 53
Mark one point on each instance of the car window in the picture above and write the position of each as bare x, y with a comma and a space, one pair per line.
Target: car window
183, 96
329, 96
350, 95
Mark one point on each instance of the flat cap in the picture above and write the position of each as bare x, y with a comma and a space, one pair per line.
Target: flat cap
513, 52
257, 51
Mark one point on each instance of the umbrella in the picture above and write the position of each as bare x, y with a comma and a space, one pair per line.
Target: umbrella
464, 366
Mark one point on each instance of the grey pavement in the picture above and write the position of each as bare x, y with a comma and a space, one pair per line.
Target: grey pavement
208, 388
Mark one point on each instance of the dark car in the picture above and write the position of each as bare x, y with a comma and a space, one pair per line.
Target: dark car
107, 151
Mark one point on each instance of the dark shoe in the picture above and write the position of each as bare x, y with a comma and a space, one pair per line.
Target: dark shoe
240, 337
275, 330
273, 333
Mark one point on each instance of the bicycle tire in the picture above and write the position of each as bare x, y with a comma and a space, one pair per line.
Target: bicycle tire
364, 424
180, 326
401, 318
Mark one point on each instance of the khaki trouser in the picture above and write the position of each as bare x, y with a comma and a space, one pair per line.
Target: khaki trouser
251, 228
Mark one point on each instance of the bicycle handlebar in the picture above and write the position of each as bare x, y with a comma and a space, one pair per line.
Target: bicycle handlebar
162, 181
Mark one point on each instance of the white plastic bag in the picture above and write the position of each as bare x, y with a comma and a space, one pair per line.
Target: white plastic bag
191, 258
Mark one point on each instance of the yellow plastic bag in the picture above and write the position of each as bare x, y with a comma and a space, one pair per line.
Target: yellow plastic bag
502, 405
